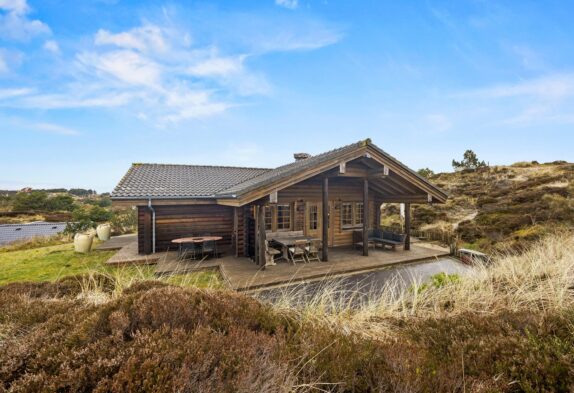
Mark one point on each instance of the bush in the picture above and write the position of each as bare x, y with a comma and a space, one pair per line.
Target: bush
124, 221
60, 203
30, 201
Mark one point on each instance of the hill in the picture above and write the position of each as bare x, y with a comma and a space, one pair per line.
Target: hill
497, 207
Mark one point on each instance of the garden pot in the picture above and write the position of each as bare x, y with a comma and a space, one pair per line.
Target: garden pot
83, 242
104, 231
91, 232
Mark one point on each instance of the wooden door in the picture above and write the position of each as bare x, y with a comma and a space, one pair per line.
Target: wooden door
314, 221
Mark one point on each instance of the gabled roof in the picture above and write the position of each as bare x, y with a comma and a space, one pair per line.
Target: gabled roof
159, 181
180, 181
285, 171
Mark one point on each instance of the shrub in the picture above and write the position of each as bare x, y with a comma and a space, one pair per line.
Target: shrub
30, 201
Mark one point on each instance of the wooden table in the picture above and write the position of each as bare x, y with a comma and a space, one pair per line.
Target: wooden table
195, 239
289, 241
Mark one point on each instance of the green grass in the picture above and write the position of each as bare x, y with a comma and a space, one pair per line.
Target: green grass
54, 262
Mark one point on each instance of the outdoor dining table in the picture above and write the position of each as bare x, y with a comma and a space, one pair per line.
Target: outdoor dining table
289, 241
195, 239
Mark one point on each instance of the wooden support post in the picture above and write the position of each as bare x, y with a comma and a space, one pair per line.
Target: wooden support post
147, 233
262, 237
325, 226
408, 226
366, 217
256, 230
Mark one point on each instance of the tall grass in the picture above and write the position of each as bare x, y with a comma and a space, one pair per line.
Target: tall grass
540, 279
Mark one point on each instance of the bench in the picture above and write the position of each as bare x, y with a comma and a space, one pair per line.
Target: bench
387, 238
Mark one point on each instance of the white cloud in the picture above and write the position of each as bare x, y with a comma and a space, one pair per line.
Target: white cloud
124, 65
554, 86
144, 38
218, 66
15, 24
14, 92
52, 46
290, 4
55, 129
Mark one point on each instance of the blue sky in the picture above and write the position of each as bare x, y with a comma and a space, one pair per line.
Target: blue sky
88, 87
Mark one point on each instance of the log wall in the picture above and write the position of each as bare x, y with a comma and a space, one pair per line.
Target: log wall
181, 221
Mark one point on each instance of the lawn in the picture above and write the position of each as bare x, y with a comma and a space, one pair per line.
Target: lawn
54, 262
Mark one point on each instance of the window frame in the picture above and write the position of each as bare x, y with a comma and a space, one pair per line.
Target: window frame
313, 217
289, 217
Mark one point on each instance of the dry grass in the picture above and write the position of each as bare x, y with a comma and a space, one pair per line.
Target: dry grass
539, 279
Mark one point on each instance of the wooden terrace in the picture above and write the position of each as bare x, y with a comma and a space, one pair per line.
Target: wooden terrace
242, 274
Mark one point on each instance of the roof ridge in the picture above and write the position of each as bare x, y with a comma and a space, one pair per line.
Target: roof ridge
200, 166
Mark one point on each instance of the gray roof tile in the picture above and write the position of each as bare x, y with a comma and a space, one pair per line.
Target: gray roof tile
180, 181
13, 232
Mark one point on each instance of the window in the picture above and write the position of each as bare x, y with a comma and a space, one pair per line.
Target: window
359, 213
313, 217
268, 218
283, 217
347, 214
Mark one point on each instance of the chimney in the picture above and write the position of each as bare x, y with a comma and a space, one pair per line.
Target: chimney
301, 156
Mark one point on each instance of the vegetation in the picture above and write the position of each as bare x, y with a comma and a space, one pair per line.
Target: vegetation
469, 161
498, 207
506, 328
50, 259
425, 172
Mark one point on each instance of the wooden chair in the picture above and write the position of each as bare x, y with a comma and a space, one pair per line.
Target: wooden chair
312, 250
297, 251
270, 254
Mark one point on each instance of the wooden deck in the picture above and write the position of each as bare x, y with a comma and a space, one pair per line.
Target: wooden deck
242, 274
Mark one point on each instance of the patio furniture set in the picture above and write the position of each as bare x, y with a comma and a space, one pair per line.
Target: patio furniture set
293, 248
196, 247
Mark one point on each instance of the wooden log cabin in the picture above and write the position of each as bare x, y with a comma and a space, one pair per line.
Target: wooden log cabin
327, 196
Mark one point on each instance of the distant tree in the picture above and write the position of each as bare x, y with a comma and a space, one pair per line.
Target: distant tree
470, 161
105, 202
81, 192
28, 201
62, 202
425, 172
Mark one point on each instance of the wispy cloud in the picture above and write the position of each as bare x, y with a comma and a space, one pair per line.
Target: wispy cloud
554, 86
547, 99
159, 74
290, 4
15, 23
55, 129
52, 46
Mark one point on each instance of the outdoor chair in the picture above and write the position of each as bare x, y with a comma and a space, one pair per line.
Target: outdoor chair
297, 251
312, 250
270, 254
191, 250
209, 248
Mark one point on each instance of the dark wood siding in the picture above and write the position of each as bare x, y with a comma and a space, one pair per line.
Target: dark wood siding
181, 221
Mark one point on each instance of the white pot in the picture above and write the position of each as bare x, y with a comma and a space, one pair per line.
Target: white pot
91, 232
83, 242
104, 231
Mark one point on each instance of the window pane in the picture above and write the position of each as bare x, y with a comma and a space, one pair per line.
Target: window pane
358, 213
268, 218
346, 214
313, 217
283, 217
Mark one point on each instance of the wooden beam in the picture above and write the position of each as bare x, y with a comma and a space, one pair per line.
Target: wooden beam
408, 226
325, 226
147, 235
256, 244
262, 237
366, 217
